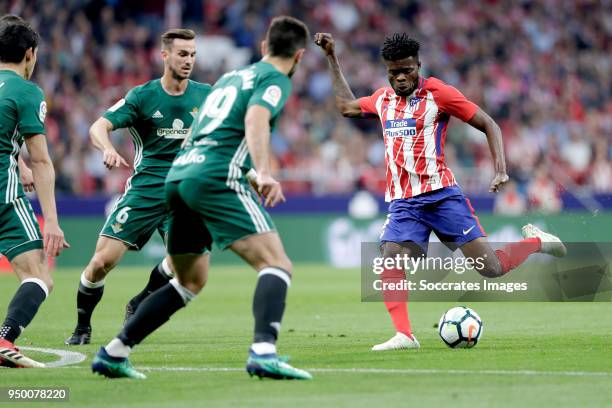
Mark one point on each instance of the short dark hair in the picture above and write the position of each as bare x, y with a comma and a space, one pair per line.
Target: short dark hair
16, 36
181, 33
400, 46
285, 36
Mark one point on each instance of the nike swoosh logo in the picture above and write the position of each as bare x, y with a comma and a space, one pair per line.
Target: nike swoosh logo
467, 231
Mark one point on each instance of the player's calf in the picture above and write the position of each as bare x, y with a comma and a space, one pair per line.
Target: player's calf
191, 271
396, 301
490, 267
89, 295
91, 286
112, 360
31, 293
160, 275
23, 307
263, 250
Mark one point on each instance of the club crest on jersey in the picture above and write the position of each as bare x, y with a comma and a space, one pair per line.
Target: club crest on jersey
194, 112
400, 128
414, 101
117, 228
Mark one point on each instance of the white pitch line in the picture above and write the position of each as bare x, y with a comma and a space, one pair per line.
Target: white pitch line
67, 358
403, 371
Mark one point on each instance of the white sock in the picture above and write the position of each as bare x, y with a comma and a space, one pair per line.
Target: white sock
166, 268
185, 293
116, 348
90, 285
263, 348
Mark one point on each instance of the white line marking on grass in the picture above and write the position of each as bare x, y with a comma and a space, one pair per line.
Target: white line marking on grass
66, 357
65, 362
403, 371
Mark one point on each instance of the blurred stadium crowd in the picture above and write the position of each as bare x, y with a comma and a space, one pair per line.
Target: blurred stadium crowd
540, 68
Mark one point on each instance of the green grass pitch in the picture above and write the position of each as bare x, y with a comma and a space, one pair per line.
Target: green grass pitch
531, 354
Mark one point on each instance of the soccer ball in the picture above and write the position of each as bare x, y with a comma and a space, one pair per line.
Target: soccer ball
460, 327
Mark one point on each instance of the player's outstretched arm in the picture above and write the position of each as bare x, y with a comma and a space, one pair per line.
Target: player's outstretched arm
99, 133
44, 181
483, 122
346, 102
257, 133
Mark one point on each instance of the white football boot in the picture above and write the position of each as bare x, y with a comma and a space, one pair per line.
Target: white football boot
551, 244
398, 342
10, 356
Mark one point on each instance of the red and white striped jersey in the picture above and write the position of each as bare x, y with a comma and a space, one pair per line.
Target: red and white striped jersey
414, 131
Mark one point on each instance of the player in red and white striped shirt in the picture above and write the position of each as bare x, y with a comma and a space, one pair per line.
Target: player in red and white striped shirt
424, 196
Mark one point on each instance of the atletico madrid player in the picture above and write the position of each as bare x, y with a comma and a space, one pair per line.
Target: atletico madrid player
424, 196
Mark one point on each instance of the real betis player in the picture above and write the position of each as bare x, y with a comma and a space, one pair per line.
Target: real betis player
210, 201
22, 117
158, 115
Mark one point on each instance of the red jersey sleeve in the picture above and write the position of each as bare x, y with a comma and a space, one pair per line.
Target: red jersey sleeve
453, 102
368, 103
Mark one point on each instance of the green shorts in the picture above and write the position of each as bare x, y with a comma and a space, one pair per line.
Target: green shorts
203, 212
136, 216
19, 230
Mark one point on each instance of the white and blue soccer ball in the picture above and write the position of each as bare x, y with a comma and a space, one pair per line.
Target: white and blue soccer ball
460, 327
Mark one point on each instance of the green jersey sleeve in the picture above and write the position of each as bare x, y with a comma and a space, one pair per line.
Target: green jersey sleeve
124, 113
32, 110
272, 92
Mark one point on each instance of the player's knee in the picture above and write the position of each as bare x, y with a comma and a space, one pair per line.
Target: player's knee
282, 261
491, 269
194, 283
34, 267
100, 265
391, 250
274, 259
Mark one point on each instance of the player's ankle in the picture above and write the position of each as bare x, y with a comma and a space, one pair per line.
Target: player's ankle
82, 328
116, 348
263, 348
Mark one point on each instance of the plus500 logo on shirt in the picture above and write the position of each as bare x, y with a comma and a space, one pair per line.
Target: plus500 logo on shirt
400, 128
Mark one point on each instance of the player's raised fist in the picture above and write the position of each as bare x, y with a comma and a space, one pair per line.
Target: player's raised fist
326, 42
499, 180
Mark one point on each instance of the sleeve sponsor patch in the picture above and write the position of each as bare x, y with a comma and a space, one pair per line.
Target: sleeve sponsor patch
117, 105
272, 95
42, 112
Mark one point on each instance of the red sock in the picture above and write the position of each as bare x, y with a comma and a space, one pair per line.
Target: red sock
512, 255
396, 301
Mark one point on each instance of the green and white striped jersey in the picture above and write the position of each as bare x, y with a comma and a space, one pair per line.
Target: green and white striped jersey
22, 114
158, 123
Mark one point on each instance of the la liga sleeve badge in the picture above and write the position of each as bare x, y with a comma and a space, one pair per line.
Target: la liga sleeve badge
272, 95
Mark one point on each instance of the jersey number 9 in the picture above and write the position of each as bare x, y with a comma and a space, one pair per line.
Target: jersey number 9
217, 107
